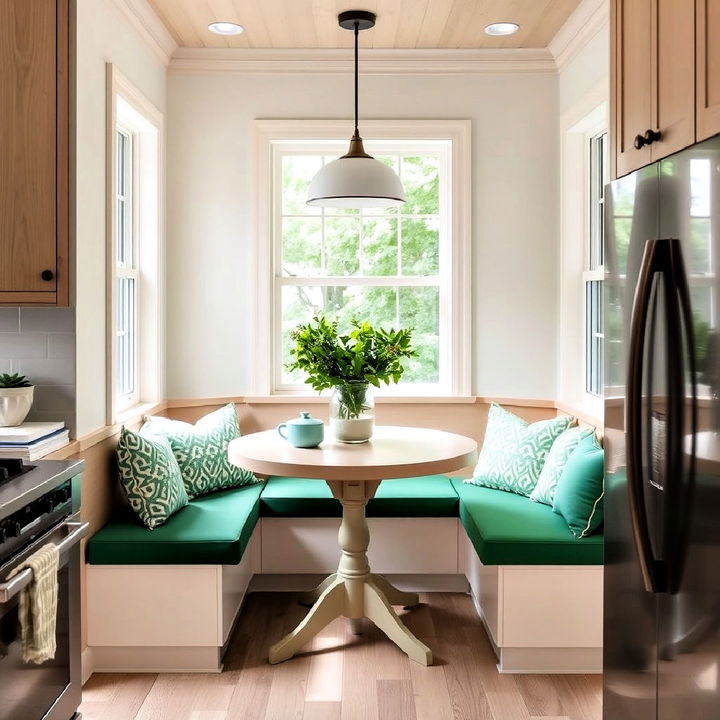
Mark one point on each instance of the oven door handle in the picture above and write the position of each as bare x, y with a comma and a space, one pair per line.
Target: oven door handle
76, 532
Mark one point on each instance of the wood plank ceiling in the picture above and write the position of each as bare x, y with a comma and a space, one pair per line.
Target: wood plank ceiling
400, 23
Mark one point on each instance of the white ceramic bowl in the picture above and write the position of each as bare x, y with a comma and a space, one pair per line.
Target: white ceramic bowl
15, 404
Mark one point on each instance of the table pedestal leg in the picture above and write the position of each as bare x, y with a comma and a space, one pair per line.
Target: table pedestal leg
353, 591
310, 597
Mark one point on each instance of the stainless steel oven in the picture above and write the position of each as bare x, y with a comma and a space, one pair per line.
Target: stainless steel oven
50, 690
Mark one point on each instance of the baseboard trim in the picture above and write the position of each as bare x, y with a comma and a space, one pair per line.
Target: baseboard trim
409, 583
157, 659
553, 661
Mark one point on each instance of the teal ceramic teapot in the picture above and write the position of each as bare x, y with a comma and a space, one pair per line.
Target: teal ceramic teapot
303, 432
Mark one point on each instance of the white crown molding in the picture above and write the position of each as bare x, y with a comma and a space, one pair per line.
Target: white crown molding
150, 27
373, 62
584, 23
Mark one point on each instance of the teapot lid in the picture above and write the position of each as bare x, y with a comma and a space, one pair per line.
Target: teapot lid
305, 419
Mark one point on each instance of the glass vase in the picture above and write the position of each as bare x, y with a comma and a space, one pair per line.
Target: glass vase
352, 412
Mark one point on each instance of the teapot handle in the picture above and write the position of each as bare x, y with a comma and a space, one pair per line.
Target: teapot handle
280, 428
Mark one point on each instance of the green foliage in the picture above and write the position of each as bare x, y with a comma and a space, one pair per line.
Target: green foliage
14, 381
365, 355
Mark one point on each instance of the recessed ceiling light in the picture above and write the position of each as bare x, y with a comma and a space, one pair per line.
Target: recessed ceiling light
225, 28
502, 28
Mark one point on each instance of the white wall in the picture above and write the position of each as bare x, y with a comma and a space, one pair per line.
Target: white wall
210, 231
103, 35
583, 89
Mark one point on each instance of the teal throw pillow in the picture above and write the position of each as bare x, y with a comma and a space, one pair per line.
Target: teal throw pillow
201, 450
150, 477
560, 451
514, 451
579, 492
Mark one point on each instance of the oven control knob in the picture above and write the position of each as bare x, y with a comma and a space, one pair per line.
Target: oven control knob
3, 535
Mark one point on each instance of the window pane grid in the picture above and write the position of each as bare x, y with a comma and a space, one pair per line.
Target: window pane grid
360, 263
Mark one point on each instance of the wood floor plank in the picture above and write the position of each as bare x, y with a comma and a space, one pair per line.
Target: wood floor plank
110, 696
341, 676
322, 711
395, 700
540, 695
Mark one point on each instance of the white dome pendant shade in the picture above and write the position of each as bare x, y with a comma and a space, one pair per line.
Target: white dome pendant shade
356, 180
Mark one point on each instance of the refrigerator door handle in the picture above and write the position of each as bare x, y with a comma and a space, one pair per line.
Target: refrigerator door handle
679, 490
654, 260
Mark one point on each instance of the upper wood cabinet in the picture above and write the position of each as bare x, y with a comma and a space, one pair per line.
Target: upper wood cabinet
652, 80
708, 68
34, 157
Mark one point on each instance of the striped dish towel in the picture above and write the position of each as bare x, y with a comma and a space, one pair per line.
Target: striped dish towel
38, 604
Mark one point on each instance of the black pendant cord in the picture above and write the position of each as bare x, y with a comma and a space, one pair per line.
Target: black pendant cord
357, 33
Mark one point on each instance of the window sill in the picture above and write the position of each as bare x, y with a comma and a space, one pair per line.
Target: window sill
314, 399
135, 414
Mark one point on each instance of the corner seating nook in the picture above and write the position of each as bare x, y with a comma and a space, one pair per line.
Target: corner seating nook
167, 599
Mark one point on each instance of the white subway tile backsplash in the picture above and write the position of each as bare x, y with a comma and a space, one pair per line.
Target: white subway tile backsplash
61, 345
16, 346
47, 320
40, 343
47, 371
9, 320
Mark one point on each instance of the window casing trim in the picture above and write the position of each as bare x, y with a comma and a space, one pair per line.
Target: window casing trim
454, 132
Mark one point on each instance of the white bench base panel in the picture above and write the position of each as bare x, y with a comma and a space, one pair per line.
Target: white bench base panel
178, 618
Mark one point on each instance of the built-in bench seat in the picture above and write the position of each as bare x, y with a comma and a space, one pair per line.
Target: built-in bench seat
166, 599
509, 529
430, 496
212, 530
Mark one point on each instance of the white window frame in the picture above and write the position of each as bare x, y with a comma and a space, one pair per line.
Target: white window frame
129, 111
452, 138
594, 269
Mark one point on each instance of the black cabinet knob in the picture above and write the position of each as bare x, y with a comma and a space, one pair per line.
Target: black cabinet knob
652, 135
639, 142
47, 275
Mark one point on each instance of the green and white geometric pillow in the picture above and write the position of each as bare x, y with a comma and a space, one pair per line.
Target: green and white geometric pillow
514, 451
560, 451
150, 477
201, 450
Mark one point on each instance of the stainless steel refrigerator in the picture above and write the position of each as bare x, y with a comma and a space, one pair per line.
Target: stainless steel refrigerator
661, 319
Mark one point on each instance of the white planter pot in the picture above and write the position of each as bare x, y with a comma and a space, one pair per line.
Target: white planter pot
15, 404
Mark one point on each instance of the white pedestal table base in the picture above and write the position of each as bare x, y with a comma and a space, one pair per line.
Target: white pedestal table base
354, 592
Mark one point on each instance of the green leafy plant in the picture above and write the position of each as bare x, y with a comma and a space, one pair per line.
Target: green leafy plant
14, 381
364, 356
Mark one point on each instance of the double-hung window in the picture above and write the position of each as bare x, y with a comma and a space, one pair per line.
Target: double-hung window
395, 267
134, 366
593, 275
126, 270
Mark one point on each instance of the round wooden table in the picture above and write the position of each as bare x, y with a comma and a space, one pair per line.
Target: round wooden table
353, 473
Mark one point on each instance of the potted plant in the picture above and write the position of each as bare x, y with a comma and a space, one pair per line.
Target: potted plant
350, 364
16, 398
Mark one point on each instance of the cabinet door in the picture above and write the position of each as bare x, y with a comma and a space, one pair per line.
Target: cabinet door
708, 68
29, 153
632, 76
673, 76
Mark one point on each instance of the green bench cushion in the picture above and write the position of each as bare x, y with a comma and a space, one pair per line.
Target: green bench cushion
430, 496
508, 529
212, 530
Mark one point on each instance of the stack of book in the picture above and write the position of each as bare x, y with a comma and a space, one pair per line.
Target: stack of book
32, 440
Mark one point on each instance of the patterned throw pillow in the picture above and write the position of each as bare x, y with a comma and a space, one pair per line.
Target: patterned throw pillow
560, 451
514, 451
150, 477
201, 450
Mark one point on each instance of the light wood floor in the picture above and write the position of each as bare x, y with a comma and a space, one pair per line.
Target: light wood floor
349, 677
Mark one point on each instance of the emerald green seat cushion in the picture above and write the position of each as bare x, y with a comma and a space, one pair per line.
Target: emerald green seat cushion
430, 496
508, 529
211, 530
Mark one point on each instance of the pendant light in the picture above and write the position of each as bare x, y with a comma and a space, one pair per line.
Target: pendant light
356, 180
